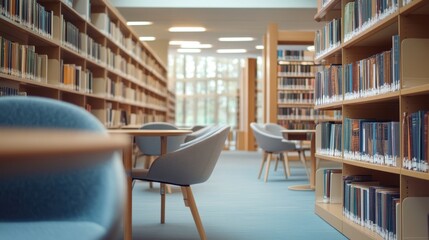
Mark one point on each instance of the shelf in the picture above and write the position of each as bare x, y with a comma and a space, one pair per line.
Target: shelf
331, 213
295, 119
418, 90
377, 34
294, 61
322, 14
391, 96
295, 76
415, 7
329, 158
333, 52
355, 231
415, 174
330, 106
291, 105
376, 167
297, 90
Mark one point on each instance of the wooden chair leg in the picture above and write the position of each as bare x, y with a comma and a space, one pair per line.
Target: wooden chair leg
277, 161
162, 191
269, 156
264, 156
286, 165
189, 200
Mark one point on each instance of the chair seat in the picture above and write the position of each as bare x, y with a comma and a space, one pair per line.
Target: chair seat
51, 230
139, 173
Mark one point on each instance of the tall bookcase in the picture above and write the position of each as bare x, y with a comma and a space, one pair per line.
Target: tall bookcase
81, 52
384, 76
285, 69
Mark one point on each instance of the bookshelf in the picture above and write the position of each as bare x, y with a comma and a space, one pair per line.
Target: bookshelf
289, 73
381, 91
171, 104
81, 52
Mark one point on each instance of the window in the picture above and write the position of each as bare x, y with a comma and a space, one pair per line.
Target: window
206, 89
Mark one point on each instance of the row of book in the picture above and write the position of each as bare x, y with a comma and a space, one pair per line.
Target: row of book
74, 77
374, 75
328, 37
328, 85
359, 15
330, 138
22, 61
30, 14
332, 178
71, 36
296, 125
297, 113
416, 142
295, 83
371, 141
285, 97
11, 91
295, 69
103, 22
372, 205
300, 55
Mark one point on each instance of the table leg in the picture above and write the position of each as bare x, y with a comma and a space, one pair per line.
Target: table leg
162, 187
127, 160
309, 187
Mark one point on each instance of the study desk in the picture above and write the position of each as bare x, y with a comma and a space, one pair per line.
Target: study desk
301, 135
127, 159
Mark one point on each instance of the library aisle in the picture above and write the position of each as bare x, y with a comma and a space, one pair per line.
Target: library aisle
234, 205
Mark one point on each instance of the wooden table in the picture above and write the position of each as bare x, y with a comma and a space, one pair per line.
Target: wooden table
290, 134
127, 158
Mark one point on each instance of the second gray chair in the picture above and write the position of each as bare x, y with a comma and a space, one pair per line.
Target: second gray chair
187, 166
273, 144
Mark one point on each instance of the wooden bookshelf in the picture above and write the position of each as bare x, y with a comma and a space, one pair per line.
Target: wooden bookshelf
410, 96
75, 52
171, 105
289, 78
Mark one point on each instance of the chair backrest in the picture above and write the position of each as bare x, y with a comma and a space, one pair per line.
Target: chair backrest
198, 133
191, 164
152, 145
274, 129
93, 193
268, 141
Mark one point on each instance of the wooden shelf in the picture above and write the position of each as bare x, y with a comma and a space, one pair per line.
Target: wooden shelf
333, 52
418, 90
377, 167
295, 76
415, 174
331, 213
355, 231
297, 90
377, 34
387, 97
415, 7
327, 10
331, 106
329, 158
308, 105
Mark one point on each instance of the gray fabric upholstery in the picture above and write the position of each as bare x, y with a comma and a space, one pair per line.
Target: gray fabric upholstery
207, 132
188, 165
151, 146
198, 133
274, 129
270, 142
93, 193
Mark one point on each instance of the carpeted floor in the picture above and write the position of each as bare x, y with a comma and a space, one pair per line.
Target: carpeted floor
234, 205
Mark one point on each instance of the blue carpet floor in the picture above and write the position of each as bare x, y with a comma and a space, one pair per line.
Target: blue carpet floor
234, 204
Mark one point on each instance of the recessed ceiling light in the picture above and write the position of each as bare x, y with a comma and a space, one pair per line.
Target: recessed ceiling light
190, 45
147, 38
177, 42
139, 23
260, 47
236, 39
187, 29
231, 51
311, 48
189, 50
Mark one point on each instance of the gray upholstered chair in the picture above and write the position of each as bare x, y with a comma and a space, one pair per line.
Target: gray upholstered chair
85, 202
186, 166
197, 133
273, 144
151, 146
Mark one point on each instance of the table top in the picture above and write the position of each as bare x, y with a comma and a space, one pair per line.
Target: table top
150, 132
20, 143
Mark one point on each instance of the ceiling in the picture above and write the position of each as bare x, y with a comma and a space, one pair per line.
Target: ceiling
250, 20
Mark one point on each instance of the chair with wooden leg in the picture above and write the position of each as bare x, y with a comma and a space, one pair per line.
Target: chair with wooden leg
189, 165
272, 144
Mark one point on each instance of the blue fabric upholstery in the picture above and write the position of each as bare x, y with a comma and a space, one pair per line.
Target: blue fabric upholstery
85, 202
